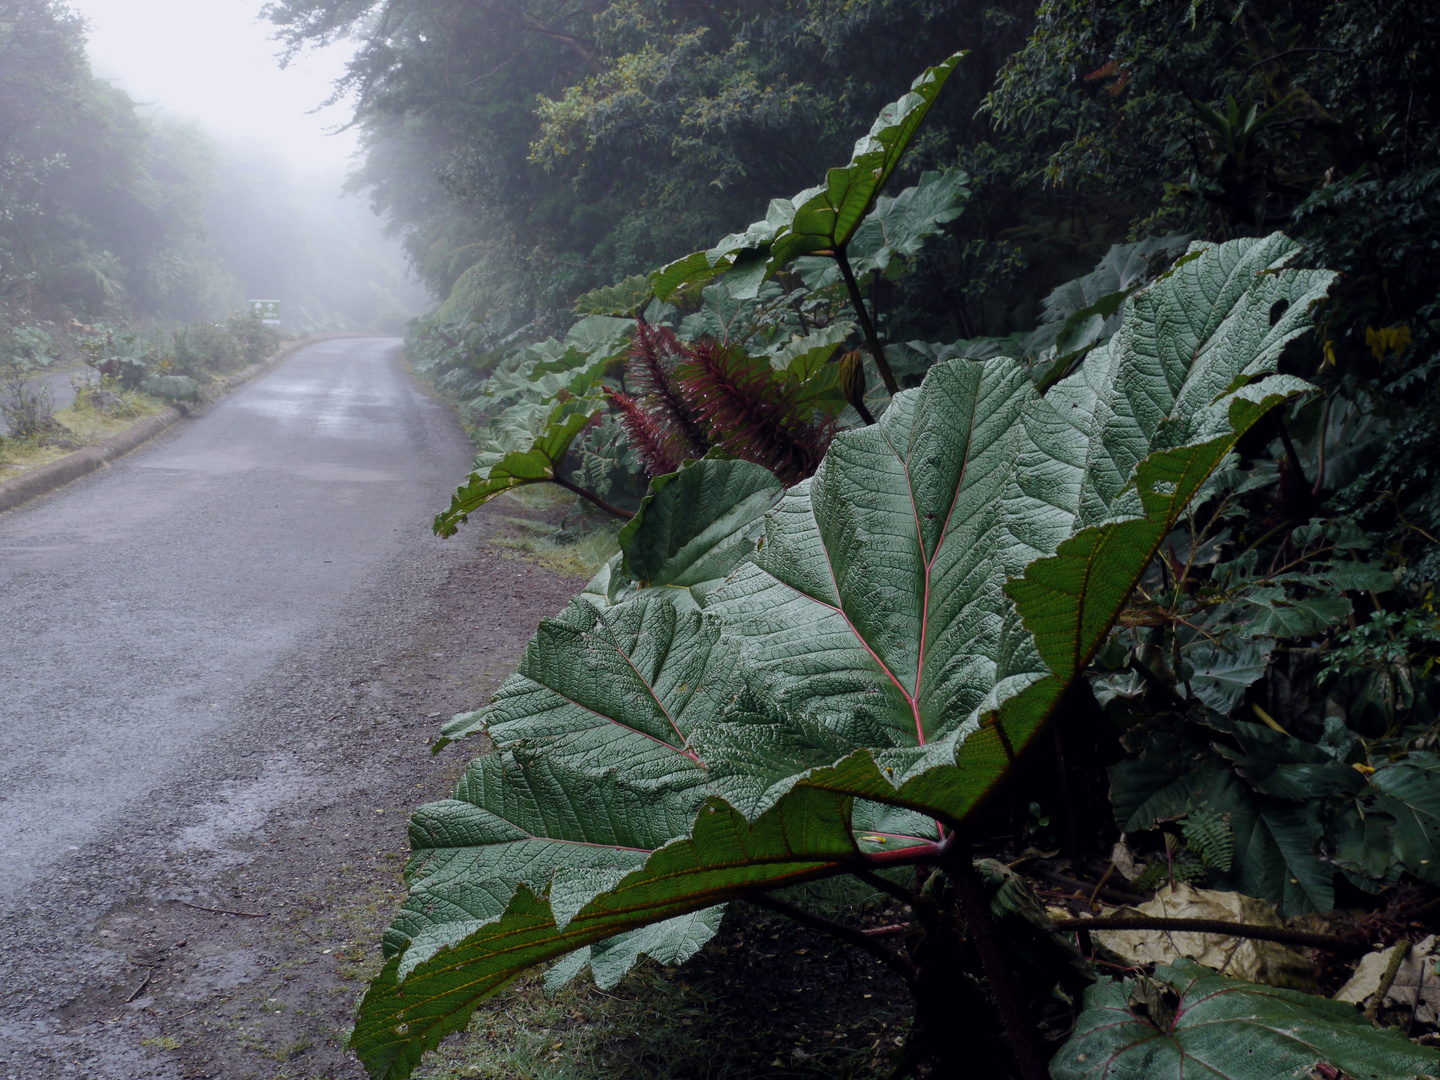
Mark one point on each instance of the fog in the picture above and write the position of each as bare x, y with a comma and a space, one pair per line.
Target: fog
276, 213
214, 60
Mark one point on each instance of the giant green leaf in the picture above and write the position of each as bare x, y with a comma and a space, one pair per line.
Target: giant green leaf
431, 989
914, 612
895, 231
550, 431
1122, 270
724, 315
542, 371
623, 298
820, 218
1410, 793
1189, 1023
879, 605
593, 727
803, 357
695, 526
600, 337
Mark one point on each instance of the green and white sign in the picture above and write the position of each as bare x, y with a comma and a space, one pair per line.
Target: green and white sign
267, 311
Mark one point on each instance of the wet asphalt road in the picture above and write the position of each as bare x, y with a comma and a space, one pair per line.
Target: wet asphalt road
148, 614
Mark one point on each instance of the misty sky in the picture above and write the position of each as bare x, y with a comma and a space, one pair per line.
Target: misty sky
214, 60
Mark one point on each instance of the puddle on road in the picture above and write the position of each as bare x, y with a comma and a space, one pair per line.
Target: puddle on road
239, 811
334, 472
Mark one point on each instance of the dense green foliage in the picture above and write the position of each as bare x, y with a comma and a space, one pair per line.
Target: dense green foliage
1105, 450
719, 716
533, 151
1226, 119
97, 204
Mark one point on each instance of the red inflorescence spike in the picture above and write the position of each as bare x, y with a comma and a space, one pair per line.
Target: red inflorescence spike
749, 412
645, 435
653, 358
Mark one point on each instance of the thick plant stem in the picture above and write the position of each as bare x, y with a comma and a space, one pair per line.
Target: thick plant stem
1018, 1025
623, 515
1217, 926
894, 961
1289, 446
857, 300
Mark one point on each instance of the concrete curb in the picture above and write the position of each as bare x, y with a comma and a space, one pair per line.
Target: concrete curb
55, 474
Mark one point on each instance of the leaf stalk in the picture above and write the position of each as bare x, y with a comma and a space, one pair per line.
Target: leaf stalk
857, 300
623, 515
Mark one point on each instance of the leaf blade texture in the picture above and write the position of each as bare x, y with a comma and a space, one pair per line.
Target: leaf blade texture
915, 612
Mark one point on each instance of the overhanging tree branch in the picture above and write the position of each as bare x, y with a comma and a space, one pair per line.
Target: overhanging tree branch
580, 48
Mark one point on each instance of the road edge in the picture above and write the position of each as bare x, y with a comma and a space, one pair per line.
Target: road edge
56, 474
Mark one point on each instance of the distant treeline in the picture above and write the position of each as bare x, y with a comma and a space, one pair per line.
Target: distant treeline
108, 212
547, 148
531, 150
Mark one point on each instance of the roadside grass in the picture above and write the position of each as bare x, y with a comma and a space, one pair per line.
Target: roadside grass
84, 426
535, 528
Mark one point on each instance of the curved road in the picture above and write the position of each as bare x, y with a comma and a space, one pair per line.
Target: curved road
171, 628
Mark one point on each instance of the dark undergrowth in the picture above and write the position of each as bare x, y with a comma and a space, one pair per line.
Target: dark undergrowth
767, 999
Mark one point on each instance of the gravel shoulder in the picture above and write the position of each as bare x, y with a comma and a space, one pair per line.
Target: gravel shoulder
220, 920
310, 848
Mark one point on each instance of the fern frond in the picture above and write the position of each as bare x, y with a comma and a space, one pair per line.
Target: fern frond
1210, 837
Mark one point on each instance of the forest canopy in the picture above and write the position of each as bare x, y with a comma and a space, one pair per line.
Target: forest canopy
529, 152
